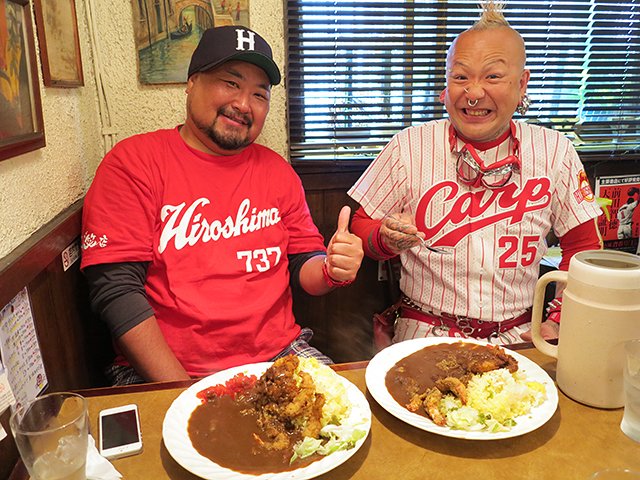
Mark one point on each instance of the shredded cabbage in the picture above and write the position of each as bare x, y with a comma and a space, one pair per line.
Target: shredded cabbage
494, 400
340, 430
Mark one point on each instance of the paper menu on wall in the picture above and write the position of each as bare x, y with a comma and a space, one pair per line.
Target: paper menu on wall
21, 355
6, 394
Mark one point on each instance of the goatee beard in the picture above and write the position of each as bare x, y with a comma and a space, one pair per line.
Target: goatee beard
226, 142
231, 140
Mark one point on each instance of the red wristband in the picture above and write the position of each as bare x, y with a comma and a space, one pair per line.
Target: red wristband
383, 247
330, 281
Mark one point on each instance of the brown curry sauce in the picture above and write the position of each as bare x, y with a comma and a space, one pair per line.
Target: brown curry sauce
251, 425
419, 371
221, 432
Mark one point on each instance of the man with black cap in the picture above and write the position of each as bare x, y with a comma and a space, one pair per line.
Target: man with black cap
192, 236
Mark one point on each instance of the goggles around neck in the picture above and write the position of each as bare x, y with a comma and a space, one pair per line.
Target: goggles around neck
472, 171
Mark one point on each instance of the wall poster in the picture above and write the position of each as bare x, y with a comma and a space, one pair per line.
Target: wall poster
59, 43
21, 127
622, 230
167, 32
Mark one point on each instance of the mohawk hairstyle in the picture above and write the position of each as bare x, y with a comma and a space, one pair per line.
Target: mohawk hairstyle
492, 16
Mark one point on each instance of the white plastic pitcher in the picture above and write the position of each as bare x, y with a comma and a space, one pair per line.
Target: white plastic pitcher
600, 311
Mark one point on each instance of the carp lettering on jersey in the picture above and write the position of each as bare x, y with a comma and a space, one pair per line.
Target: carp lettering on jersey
467, 212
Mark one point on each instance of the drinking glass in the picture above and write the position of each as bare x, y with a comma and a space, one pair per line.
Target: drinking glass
631, 380
51, 434
616, 474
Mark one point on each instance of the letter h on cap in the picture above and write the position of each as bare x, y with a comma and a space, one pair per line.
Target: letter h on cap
243, 40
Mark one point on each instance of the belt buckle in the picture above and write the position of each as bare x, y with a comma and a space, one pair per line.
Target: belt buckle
464, 325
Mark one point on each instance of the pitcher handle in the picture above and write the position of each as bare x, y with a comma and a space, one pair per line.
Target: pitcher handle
536, 314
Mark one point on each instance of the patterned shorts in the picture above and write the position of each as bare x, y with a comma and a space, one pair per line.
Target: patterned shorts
126, 375
301, 348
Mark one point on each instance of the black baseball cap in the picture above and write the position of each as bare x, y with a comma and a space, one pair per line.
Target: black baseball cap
221, 44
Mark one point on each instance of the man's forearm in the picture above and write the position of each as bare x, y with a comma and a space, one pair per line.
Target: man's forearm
146, 349
311, 276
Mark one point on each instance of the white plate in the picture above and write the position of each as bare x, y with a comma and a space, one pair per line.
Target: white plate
176, 435
387, 358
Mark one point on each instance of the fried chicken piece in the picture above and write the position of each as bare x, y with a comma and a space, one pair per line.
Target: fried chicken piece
415, 403
314, 420
430, 400
284, 407
306, 407
453, 385
431, 405
488, 358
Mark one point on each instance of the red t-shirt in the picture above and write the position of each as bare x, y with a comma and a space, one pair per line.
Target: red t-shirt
216, 231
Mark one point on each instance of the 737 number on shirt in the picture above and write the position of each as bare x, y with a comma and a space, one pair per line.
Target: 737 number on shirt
260, 259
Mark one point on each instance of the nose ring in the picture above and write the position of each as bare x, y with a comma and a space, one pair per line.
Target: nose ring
471, 103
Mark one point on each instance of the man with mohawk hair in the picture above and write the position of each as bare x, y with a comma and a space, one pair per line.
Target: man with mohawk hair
480, 187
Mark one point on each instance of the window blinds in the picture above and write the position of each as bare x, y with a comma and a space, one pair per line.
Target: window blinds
360, 71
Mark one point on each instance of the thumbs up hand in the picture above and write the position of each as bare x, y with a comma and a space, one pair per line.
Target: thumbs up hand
344, 252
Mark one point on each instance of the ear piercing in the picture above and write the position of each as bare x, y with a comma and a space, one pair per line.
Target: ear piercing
524, 104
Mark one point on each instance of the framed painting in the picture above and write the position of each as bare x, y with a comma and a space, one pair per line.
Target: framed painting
59, 43
167, 33
21, 127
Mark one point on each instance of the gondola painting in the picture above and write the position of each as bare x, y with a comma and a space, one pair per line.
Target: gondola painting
167, 32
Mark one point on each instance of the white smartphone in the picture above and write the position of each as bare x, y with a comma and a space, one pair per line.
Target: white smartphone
120, 434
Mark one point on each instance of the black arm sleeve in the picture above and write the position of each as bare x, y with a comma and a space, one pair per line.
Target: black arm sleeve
295, 264
117, 294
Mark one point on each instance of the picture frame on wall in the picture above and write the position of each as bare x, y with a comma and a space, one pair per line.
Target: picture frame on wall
167, 33
620, 229
57, 28
21, 125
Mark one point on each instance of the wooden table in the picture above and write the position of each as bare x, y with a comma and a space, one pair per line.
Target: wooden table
577, 441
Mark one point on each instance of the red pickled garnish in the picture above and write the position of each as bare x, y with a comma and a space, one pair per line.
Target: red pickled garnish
236, 384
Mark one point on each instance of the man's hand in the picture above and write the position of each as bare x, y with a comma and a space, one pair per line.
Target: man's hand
399, 232
344, 252
548, 330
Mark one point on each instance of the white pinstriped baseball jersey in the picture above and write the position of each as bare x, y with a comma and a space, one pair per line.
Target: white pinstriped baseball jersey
497, 237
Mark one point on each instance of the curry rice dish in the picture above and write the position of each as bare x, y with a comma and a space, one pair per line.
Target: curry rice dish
419, 380
250, 425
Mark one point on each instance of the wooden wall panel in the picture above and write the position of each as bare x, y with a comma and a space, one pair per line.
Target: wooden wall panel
70, 339
61, 327
341, 320
8, 451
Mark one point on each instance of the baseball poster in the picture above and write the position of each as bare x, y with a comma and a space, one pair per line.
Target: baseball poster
621, 229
